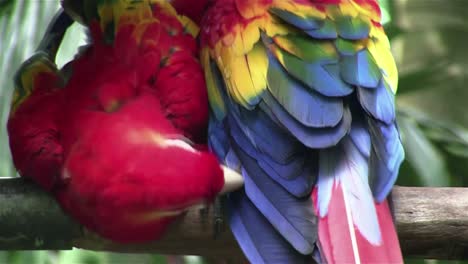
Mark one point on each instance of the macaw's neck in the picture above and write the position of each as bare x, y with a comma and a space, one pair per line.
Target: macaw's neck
193, 9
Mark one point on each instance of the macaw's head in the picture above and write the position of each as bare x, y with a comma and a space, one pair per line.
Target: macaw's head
193, 9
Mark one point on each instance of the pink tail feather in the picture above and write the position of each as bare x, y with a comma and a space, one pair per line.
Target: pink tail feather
338, 243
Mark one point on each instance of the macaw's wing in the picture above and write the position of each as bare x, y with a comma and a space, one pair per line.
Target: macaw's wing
33, 122
136, 101
153, 42
305, 93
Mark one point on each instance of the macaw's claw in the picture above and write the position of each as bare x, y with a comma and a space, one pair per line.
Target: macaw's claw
232, 181
218, 215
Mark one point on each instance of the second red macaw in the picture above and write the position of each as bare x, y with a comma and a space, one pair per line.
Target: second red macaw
119, 134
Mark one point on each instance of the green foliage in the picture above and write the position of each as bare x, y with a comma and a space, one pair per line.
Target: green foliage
19, 37
429, 41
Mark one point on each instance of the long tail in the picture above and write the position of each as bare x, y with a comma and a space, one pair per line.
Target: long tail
337, 230
353, 226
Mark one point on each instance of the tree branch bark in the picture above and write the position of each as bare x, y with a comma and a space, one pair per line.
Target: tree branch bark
432, 223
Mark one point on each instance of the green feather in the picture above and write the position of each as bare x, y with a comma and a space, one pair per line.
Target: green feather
322, 76
348, 47
354, 28
306, 48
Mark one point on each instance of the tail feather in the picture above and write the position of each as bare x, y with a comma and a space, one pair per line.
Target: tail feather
352, 226
339, 243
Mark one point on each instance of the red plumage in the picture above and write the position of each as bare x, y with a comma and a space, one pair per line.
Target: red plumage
34, 135
334, 233
192, 8
118, 135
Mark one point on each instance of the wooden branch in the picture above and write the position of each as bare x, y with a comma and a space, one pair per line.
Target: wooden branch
432, 223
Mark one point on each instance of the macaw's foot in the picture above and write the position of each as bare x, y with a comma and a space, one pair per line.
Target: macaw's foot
218, 216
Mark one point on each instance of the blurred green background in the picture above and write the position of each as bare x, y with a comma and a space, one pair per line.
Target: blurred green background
429, 40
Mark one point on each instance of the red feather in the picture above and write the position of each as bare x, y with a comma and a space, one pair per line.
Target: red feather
119, 157
341, 243
34, 135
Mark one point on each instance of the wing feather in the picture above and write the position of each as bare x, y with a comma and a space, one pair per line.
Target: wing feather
295, 77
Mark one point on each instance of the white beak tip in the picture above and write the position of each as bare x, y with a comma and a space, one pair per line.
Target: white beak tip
232, 180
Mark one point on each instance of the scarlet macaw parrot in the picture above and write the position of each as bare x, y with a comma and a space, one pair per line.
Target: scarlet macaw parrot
119, 134
302, 100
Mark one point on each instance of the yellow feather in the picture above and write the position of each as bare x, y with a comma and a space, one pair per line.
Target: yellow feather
249, 9
258, 66
273, 26
379, 47
214, 96
140, 13
189, 25
235, 70
367, 10
245, 75
245, 38
344, 9
28, 74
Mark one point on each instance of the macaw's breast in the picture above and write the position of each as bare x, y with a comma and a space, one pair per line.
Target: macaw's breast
155, 54
118, 134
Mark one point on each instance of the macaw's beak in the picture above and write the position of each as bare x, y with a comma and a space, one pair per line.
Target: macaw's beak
232, 180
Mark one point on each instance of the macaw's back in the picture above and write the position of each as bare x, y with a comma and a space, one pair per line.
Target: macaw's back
129, 123
302, 98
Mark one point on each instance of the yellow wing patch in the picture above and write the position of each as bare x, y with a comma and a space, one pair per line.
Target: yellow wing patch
244, 74
242, 58
214, 96
189, 25
379, 47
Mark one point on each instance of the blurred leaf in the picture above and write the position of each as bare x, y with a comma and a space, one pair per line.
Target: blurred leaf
193, 260
27, 257
74, 38
82, 257
120, 258
429, 40
21, 29
422, 78
423, 156
5, 6
458, 150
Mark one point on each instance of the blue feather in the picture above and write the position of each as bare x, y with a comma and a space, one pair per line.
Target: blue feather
360, 69
360, 137
288, 171
262, 131
379, 102
387, 154
321, 76
326, 31
308, 107
218, 141
258, 239
292, 217
311, 137
232, 161
295, 20
298, 181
